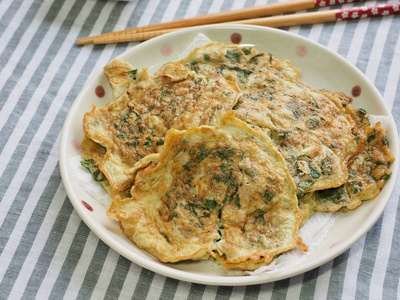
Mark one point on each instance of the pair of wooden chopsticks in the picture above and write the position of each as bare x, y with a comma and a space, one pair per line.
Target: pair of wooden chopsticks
252, 16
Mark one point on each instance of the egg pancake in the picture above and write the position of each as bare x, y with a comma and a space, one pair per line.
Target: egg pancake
309, 127
236, 63
123, 76
368, 173
134, 125
93, 154
214, 192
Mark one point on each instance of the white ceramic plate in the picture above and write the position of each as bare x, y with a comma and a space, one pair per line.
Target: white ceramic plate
320, 68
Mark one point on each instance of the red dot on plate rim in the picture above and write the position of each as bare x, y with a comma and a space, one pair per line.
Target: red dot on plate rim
157, 261
333, 245
87, 205
166, 50
236, 38
76, 145
301, 50
356, 91
100, 92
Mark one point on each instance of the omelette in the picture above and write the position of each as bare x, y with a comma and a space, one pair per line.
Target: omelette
213, 192
122, 76
225, 154
134, 124
236, 63
368, 173
309, 126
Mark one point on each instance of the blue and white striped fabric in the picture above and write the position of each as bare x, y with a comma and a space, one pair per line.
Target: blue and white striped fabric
47, 251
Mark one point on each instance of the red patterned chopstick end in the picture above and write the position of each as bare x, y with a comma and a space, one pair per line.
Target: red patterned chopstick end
363, 12
322, 3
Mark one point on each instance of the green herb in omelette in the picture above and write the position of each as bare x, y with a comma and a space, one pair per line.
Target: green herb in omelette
132, 74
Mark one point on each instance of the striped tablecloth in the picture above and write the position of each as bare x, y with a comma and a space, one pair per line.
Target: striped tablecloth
47, 251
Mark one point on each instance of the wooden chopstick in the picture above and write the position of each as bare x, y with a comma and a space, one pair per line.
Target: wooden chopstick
226, 16
275, 21
222, 17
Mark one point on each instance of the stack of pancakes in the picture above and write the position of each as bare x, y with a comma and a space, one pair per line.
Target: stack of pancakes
226, 153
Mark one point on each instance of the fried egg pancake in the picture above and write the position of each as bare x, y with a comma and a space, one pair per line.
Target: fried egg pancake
368, 173
221, 192
93, 154
309, 127
92, 151
370, 170
236, 63
135, 124
123, 76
